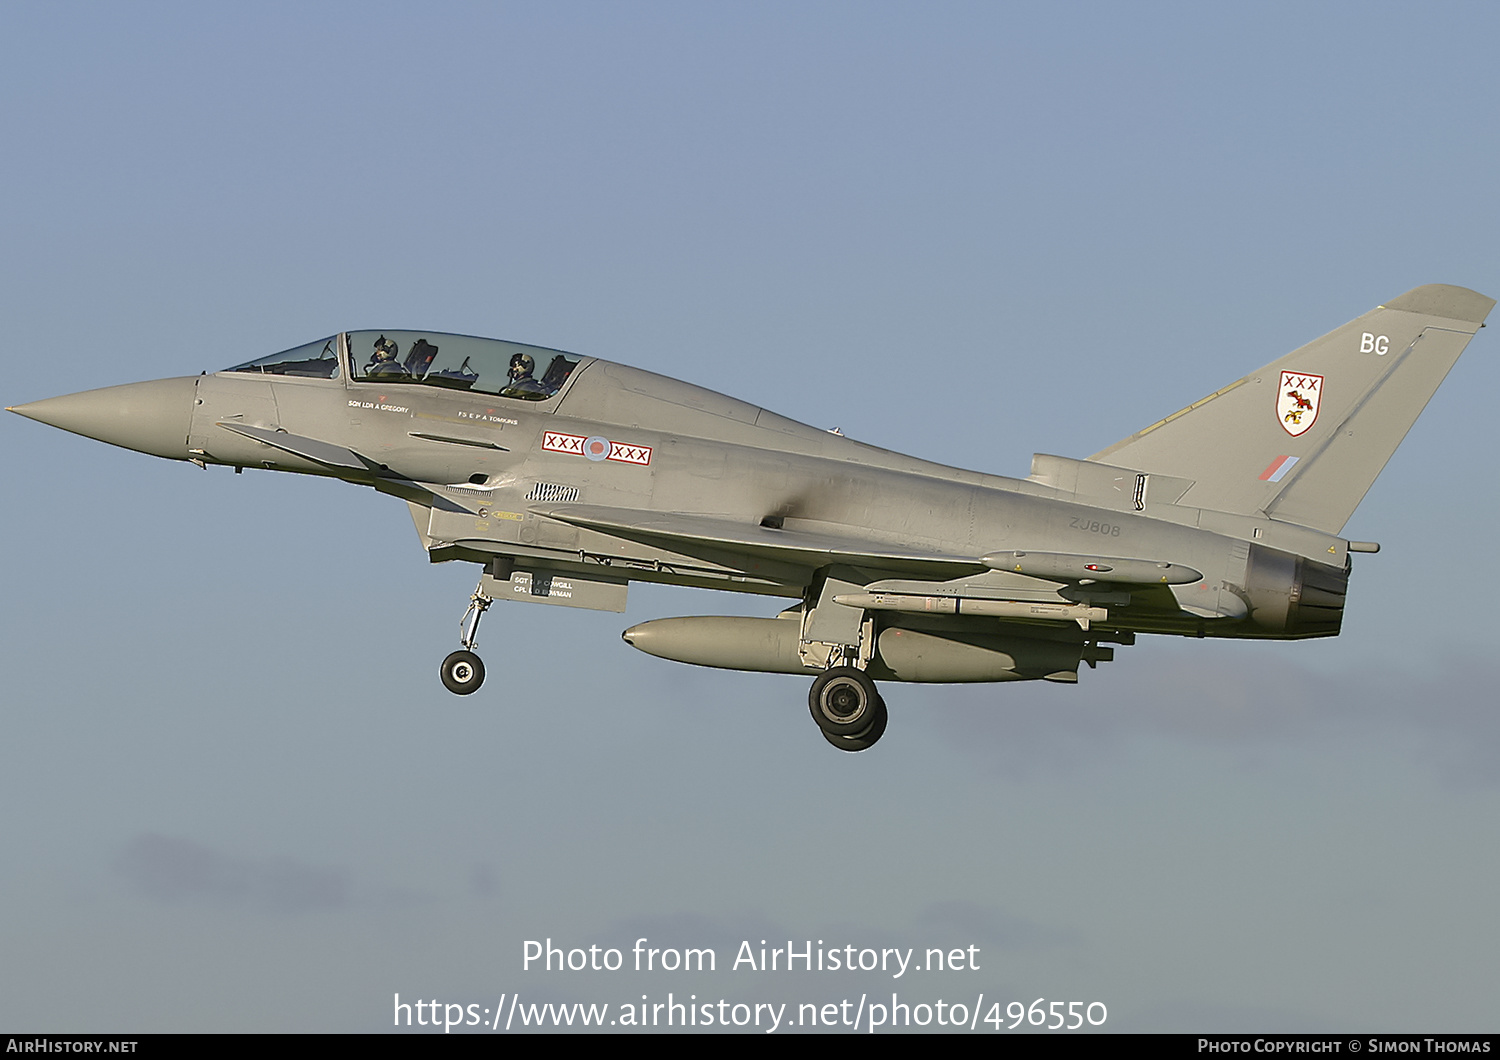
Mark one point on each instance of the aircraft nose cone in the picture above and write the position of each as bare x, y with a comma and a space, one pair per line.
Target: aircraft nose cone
149, 417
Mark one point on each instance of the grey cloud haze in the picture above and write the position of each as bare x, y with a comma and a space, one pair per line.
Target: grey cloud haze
171, 869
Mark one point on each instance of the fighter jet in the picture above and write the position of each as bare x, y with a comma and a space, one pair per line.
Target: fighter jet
567, 477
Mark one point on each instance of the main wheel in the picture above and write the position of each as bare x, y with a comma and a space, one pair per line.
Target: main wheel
842, 701
865, 740
463, 673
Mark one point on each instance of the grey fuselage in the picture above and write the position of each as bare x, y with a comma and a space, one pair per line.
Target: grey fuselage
480, 476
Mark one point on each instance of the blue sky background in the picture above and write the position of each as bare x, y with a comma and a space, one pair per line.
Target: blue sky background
235, 796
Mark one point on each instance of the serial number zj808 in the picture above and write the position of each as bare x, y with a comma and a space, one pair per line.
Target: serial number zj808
1094, 526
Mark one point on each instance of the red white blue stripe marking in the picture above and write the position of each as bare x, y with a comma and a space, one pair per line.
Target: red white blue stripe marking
1279, 467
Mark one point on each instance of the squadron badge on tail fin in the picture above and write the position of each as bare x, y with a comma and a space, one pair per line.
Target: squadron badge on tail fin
1297, 401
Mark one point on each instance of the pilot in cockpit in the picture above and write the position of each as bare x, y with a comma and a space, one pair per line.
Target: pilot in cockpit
522, 383
383, 361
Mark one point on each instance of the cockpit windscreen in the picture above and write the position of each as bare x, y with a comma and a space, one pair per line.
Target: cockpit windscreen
316, 360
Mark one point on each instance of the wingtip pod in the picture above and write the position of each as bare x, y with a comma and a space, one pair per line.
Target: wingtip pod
1444, 300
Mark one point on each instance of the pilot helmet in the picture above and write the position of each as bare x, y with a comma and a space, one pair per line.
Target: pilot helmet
385, 349
521, 365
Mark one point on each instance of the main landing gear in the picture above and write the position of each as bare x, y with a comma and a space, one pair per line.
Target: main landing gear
463, 671
847, 708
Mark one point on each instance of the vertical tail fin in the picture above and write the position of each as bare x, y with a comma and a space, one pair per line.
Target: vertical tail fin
1302, 439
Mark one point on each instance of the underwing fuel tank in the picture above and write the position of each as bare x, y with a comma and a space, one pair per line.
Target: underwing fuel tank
770, 645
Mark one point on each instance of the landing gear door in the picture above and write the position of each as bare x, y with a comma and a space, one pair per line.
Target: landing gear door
567, 590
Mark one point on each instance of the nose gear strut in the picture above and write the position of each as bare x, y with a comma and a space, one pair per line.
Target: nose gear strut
463, 671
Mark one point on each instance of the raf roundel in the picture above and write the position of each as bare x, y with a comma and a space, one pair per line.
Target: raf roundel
596, 448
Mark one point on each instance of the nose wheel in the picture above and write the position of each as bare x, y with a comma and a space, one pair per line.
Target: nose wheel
463, 671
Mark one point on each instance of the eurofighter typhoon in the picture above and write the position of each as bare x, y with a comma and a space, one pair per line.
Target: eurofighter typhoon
565, 478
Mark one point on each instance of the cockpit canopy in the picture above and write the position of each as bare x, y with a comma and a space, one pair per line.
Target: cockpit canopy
431, 358
459, 362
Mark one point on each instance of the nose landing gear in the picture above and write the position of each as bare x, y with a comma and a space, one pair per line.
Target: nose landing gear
463, 671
